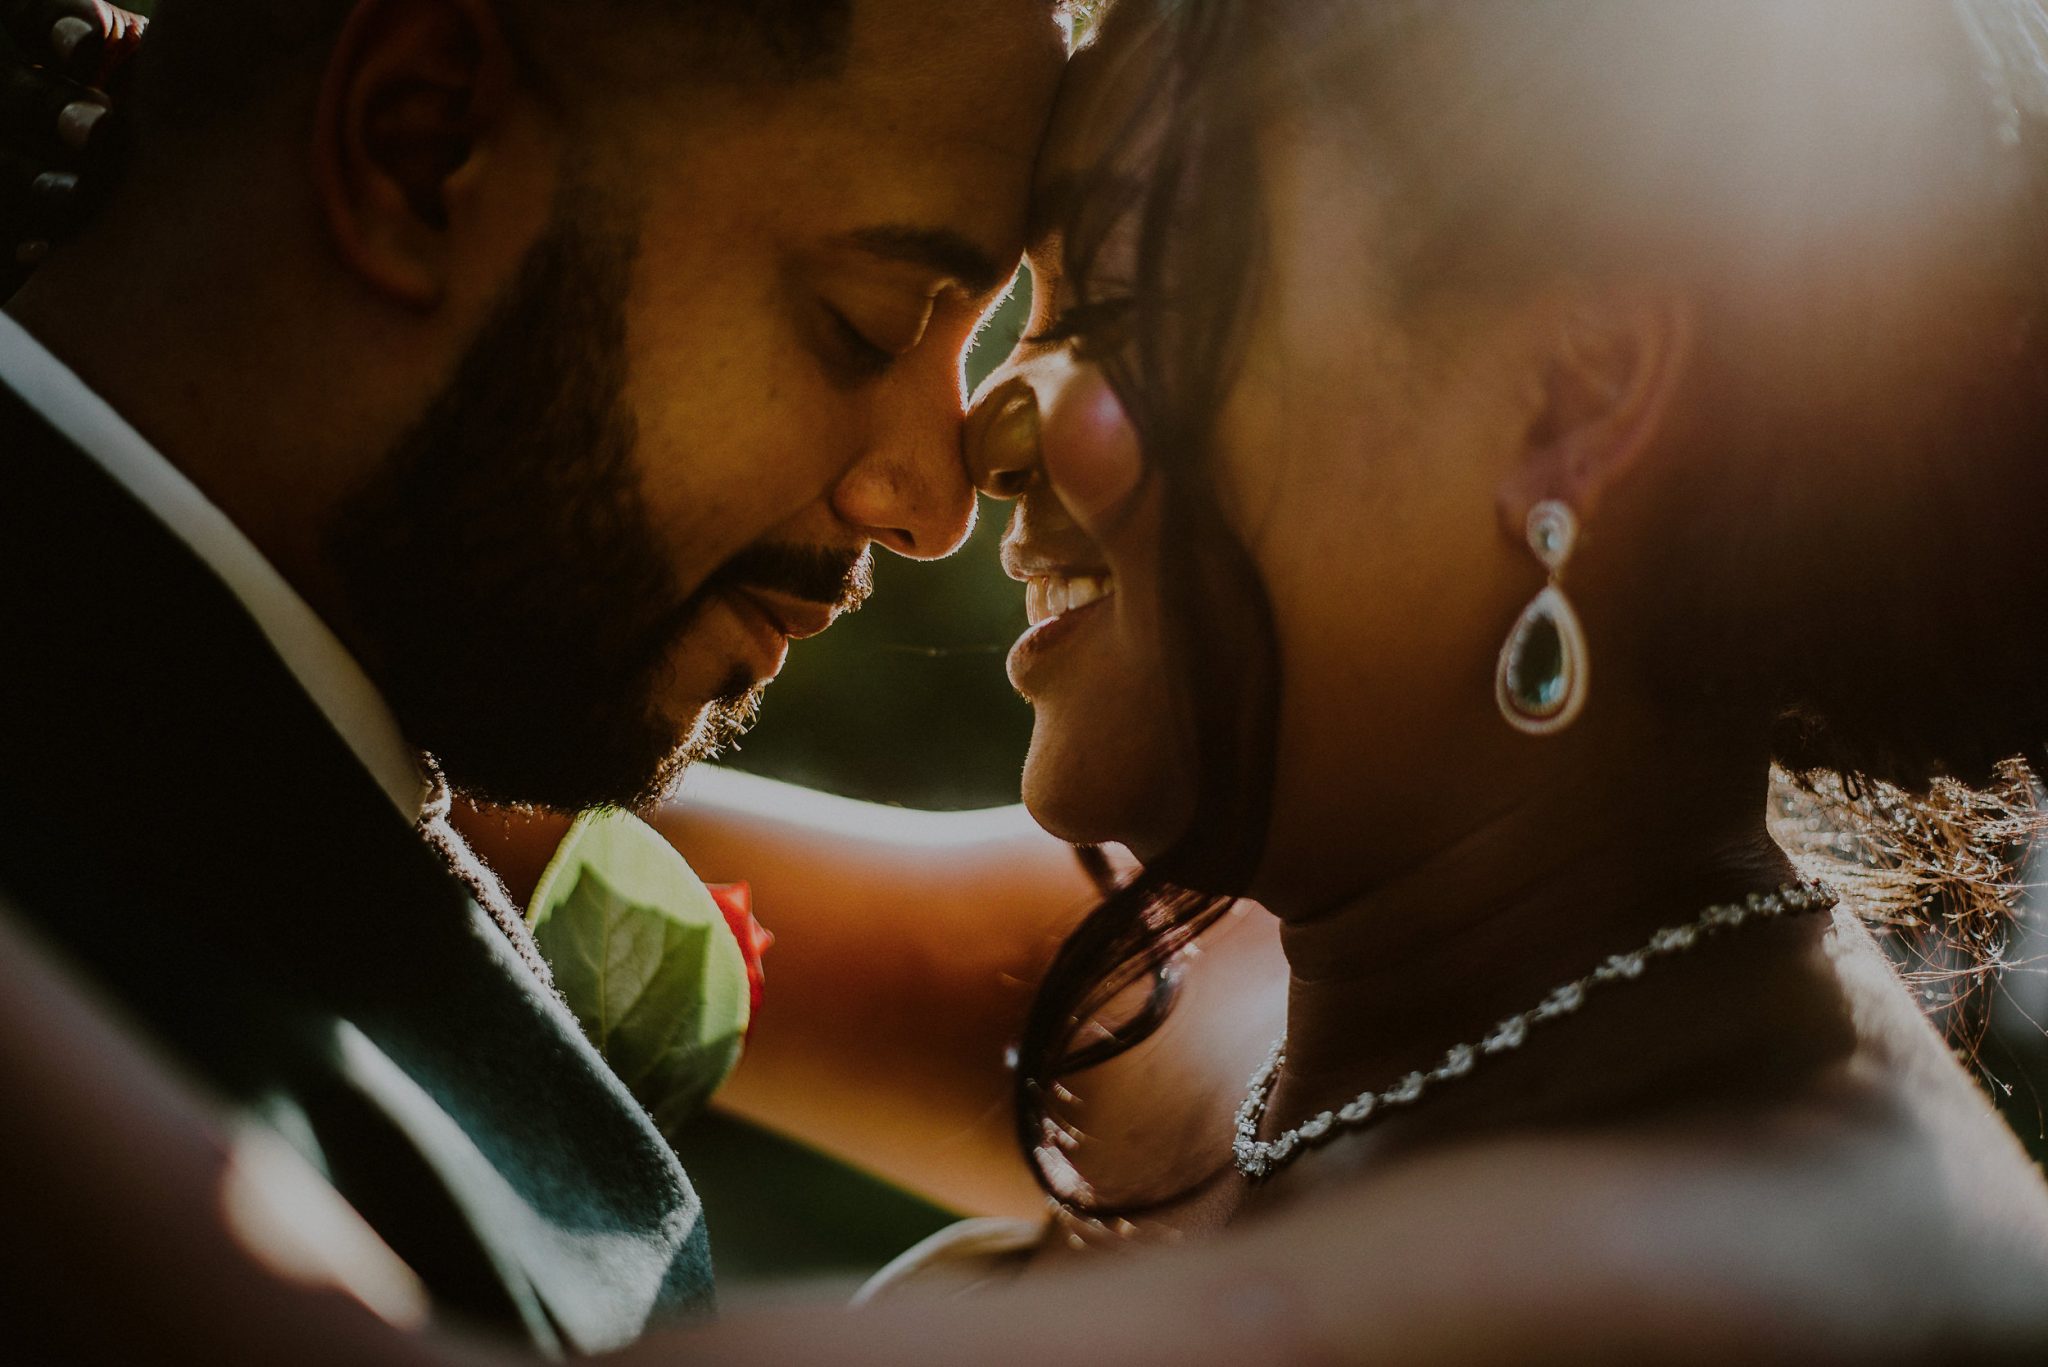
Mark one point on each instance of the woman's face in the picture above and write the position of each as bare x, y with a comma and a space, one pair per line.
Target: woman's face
1359, 461
1109, 757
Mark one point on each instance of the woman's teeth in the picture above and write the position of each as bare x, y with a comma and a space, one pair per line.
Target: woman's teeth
1050, 596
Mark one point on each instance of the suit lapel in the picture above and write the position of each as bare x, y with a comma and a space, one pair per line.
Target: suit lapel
180, 816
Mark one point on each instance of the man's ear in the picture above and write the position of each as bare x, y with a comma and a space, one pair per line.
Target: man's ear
1611, 368
412, 93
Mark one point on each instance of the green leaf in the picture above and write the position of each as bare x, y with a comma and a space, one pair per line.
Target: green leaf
645, 960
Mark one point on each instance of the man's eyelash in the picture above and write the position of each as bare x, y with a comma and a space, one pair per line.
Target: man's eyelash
863, 357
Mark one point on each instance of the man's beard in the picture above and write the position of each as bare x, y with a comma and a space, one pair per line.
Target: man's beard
501, 570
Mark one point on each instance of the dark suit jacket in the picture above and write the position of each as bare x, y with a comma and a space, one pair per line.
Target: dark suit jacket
182, 822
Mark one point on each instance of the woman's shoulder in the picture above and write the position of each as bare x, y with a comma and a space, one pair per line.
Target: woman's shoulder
1882, 1212
1857, 1229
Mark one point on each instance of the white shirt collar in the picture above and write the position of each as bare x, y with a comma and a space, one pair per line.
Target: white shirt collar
316, 658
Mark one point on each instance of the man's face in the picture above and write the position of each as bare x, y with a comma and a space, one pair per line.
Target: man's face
728, 367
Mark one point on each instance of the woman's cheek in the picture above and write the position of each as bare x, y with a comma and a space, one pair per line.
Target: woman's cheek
1091, 452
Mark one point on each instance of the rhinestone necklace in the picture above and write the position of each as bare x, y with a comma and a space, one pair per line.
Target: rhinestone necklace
1259, 1158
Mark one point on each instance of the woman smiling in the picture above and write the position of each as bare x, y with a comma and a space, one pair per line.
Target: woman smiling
1465, 448
1467, 452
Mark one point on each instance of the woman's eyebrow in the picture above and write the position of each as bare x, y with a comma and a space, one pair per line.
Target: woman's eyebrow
951, 254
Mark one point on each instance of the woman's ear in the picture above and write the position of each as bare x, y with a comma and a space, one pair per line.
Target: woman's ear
1609, 373
412, 93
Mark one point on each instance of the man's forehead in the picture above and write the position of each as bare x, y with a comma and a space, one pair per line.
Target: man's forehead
935, 125
977, 75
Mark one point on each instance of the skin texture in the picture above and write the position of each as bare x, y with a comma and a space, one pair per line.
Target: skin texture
791, 325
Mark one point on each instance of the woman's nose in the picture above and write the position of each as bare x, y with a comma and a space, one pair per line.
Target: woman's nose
1002, 439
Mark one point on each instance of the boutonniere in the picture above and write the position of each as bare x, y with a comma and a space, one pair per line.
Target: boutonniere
662, 972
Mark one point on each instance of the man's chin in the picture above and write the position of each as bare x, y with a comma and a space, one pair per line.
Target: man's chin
530, 752
536, 792
567, 780
718, 725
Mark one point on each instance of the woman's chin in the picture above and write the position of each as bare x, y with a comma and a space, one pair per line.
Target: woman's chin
1091, 795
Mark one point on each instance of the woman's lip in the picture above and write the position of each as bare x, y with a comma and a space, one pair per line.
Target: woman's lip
1028, 658
1022, 562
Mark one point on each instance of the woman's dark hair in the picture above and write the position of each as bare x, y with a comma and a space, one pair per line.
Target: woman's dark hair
1896, 639
1113, 981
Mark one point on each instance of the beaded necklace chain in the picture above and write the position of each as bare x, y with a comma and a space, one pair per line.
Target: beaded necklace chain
1259, 1158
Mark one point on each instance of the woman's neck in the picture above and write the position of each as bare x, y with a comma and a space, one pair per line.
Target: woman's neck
1386, 981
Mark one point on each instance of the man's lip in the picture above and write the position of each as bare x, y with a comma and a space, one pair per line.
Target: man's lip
796, 618
766, 631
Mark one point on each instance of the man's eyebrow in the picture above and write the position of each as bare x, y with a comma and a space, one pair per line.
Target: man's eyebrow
952, 254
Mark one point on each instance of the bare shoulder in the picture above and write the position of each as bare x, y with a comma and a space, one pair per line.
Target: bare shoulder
1888, 1216
1821, 1248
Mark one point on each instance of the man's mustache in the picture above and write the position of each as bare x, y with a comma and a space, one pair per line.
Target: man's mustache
815, 574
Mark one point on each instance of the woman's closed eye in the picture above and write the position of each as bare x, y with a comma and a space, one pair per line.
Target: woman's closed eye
1094, 328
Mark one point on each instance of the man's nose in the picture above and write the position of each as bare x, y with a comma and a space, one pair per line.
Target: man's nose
910, 492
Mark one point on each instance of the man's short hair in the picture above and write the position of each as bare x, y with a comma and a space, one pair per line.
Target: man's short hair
205, 58
798, 37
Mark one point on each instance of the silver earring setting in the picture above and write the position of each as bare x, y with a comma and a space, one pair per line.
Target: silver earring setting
1541, 682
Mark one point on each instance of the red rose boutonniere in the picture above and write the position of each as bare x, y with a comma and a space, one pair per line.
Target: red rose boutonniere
736, 900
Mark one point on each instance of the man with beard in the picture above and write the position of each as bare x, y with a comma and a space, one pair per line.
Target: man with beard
506, 381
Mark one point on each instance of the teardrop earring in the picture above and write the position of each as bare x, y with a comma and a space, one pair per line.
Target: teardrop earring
1540, 685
